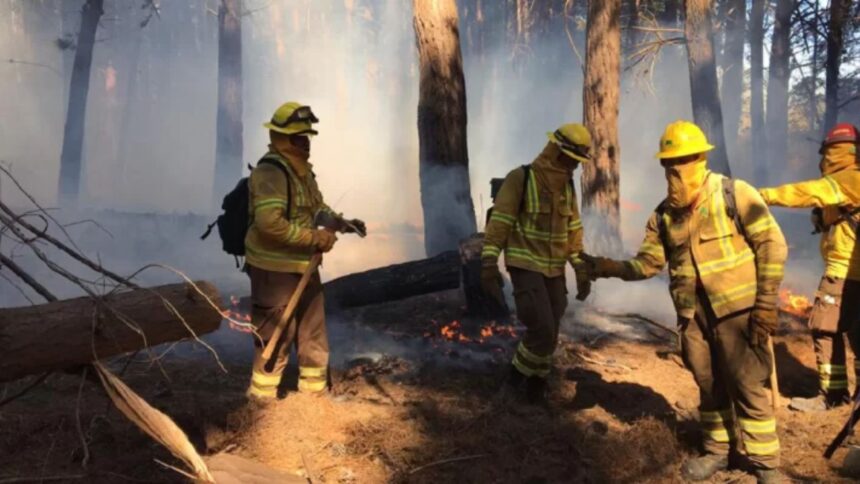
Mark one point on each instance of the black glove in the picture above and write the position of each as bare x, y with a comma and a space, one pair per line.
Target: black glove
583, 283
817, 219
491, 283
354, 226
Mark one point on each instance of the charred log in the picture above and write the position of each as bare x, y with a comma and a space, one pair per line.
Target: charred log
73, 332
398, 281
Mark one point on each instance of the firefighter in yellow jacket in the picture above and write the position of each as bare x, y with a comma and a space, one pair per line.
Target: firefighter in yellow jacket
835, 197
725, 254
535, 221
283, 201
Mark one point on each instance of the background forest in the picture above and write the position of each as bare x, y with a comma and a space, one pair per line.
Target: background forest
167, 114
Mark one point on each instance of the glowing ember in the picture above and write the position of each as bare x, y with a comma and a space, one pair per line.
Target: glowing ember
796, 304
453, 331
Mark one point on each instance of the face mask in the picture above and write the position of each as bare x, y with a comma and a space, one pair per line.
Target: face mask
685, 183
838, 157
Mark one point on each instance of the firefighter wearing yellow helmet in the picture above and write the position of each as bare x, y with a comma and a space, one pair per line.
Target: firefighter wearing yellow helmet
834, 198
284, 199
725, 254
535, 222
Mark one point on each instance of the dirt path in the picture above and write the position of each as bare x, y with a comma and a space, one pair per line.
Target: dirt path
622, 409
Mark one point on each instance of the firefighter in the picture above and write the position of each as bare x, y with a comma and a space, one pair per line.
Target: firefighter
835, 198
725, 254
281, 239
535, 221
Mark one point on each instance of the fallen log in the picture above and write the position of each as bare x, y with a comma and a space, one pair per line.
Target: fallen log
398, 281
73, 332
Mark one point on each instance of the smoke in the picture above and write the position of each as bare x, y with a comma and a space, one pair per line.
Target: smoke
150, 132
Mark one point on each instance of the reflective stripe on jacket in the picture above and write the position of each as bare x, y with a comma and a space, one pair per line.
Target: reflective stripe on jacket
840, 189
737, 270
539, 230
277, 241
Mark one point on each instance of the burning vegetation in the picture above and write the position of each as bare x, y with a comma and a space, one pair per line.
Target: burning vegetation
795, 304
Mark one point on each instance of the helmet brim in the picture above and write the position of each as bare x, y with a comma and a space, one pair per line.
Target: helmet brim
304, 129
582, 159
684, 152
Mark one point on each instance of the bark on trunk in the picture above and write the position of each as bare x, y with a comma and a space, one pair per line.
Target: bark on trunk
600, 98
228, 140
733, 67
60, 334
777, 84
76, 114
704, 88
838, 13
757, 132
398, 281
446, 200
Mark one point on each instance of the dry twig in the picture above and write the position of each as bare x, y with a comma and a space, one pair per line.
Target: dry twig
447, 461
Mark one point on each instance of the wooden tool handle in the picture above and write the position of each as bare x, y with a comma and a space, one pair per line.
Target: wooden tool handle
287, 314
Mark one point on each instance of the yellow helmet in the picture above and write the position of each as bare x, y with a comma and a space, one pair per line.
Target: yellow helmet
574, 140
293, 118
682, 138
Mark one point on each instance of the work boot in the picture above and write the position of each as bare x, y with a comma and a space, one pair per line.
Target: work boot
704, 467
769, 476
510, 391
814, 404
536, 390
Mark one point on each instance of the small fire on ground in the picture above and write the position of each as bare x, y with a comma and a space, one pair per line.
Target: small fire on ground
233, 313
795, 304
454, 332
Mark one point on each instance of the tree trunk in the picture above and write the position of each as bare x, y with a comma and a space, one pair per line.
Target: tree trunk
668, 17
733, 67
838, 14
228, 137
777, 84
704, 89
60, 334
446, 200
600, 98
757, 132
76, 114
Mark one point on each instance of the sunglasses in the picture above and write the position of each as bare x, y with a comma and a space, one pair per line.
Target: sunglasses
302, 114
579, 150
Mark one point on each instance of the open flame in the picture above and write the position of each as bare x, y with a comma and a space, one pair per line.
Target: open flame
233, 315
796, 304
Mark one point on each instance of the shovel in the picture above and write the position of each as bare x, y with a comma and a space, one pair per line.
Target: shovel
328, 222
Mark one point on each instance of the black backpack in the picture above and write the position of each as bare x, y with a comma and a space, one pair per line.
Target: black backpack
234, 222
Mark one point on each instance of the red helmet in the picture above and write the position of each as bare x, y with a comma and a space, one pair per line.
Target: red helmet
841, 133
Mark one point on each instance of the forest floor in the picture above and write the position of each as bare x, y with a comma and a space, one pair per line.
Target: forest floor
622, 409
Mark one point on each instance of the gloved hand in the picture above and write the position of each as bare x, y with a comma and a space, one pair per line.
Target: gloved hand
355, 226
324, 240
763, 324
817, 219
491, 282
583, 283
601, 267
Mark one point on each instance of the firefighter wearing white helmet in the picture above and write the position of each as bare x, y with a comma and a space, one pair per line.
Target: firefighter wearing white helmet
725, 254
535, 222
284, 199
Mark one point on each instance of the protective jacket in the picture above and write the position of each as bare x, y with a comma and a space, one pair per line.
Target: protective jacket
837, 194
536, 221
279, 241
739, 265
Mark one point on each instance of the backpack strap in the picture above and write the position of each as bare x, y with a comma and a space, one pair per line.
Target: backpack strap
732, 204
527, 171
662, 229
271, 160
